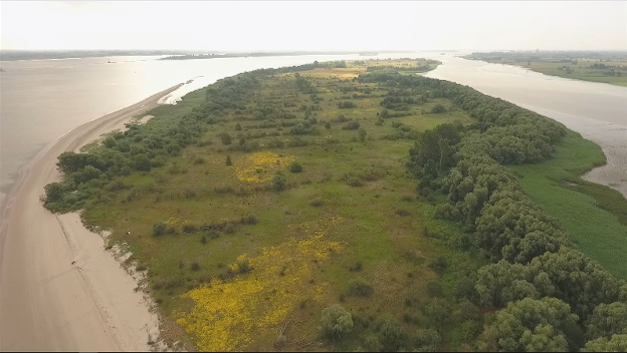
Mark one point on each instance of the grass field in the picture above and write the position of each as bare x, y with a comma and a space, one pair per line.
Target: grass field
351, 213
594, 215
581, 70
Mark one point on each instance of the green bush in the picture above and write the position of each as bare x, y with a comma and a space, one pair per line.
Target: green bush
158, 228
295, 167
228, 160
279, 182
351, 125
359, 287
438, 108
336, 322
439, 265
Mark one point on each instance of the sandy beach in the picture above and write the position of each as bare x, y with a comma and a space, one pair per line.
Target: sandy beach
47, 302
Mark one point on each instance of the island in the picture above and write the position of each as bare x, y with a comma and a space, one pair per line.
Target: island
356, 206
596, 66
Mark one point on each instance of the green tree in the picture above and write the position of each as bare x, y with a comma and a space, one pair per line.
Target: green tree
336, 322
391, 334
618, 343
427, 340
532, 325
607, 320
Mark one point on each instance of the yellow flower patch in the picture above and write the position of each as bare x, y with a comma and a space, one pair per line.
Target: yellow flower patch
259, 167
227, 316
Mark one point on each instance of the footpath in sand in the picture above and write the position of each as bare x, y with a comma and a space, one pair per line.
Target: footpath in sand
47, 302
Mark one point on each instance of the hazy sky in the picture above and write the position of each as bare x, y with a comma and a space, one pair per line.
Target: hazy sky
325, 25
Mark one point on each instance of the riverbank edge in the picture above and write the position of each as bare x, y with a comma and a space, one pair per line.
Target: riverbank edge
38, 297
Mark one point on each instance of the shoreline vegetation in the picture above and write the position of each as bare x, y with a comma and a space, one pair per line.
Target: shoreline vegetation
595, 66
355, 205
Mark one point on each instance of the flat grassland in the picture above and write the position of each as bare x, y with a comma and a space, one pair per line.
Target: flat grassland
351, 214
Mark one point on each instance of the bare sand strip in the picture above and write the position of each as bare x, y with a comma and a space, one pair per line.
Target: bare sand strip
46, 302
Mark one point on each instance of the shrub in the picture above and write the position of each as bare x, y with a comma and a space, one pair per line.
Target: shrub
341, 118
238, 127
226, 138
279, 182
362, 134
402, 212
295, 167
434, 289
438, 108
195, 266
158, 228
359, 287
327, 125
316, 202
189, 228
228, 160
357, 266
351, 125
336, 322
439, 265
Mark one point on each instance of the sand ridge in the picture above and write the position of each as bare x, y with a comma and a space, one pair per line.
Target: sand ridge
47, 302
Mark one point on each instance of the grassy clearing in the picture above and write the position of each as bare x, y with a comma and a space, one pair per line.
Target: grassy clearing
352, 203
594, 215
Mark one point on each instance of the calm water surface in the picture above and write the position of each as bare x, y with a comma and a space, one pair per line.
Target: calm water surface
41, 100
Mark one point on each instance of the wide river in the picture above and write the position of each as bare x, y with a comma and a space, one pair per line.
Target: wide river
42, 99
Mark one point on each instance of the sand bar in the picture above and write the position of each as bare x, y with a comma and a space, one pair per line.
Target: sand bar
46, 302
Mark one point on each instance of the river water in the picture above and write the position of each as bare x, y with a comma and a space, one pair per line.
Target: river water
42, 99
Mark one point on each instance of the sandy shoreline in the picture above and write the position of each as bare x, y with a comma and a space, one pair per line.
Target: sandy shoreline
48, 303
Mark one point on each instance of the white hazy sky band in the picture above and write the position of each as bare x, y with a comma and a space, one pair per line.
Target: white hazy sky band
325, 25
